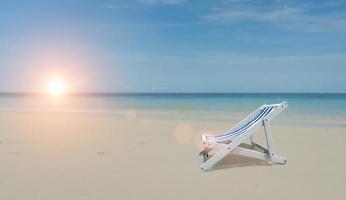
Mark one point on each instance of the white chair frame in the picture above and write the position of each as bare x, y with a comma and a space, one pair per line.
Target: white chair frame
233, 146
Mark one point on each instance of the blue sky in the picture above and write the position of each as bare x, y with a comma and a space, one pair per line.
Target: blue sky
174, 45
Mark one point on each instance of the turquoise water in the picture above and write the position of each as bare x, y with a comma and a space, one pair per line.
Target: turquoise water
197, 106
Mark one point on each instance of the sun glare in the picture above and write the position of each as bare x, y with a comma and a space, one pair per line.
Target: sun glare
56, 87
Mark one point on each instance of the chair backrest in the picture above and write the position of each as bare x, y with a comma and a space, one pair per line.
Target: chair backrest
263, 112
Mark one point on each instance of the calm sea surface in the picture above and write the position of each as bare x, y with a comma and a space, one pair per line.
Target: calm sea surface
329, 108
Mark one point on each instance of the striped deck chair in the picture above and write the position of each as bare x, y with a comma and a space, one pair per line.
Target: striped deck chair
231, 142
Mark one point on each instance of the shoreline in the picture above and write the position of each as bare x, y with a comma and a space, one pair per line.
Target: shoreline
297, 119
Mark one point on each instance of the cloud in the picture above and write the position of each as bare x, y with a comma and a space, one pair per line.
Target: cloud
120, 4
299, 17
116, 5
252, 14
163, 2
304, 16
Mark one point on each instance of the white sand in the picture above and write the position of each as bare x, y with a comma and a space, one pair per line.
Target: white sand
65, 156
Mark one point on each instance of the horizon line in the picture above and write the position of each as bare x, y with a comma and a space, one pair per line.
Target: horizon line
115, 94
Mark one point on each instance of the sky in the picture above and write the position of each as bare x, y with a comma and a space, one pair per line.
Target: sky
173, 45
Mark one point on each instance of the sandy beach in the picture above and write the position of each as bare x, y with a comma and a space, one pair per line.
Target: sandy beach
73, 156
108, 100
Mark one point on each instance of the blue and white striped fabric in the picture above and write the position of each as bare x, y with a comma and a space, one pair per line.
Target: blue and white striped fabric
256, 119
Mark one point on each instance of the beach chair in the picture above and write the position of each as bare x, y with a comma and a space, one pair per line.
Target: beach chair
232, 141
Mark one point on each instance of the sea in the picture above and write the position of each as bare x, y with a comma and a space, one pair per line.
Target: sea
312, 109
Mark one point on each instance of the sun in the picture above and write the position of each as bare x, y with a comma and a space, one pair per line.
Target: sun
56, 87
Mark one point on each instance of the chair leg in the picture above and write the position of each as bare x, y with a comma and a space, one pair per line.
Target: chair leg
215, 158
268, 133
278, 159
252, 140
202, 156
